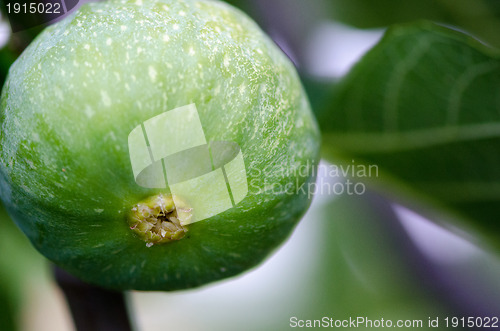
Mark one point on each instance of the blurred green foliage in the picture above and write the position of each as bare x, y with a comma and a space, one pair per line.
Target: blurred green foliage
480, 17
19, 264
7, 57
8, 310
368, 269
381, 13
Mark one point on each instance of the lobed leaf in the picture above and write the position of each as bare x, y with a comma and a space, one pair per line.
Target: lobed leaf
424, 106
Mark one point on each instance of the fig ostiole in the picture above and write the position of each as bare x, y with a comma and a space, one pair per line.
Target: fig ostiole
203, 192
158, 220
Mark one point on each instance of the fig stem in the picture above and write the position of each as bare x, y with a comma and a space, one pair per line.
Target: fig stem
93, 308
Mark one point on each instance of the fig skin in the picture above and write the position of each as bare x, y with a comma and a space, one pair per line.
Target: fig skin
74, 95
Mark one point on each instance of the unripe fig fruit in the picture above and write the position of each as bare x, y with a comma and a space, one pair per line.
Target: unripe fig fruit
155, 145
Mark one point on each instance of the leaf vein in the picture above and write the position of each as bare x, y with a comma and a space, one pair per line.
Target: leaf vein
462, 83
395, 82
386, 142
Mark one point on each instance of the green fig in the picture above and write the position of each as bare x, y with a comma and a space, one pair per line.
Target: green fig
155, 145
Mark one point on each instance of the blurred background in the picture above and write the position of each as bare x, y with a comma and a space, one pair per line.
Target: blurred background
351, 256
